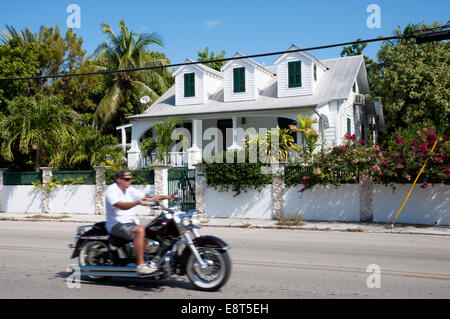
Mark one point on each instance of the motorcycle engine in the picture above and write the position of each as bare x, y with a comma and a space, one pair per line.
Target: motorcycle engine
151, 246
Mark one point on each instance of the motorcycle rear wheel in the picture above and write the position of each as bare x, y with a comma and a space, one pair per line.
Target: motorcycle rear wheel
215, 275
95, 253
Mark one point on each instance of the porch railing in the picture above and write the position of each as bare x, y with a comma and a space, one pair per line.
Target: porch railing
176, 159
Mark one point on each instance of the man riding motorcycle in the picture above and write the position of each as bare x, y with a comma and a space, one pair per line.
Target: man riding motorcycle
121, 221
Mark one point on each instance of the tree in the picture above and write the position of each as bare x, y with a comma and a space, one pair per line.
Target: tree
35, 123
87, 148
205, 55
310, 137
162, 139
413, 81
128, 50
16, 60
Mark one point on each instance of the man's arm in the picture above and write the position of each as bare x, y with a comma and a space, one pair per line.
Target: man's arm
143, 201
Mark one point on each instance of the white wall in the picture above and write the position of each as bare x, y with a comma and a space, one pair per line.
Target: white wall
321, 204
252, 204
21, 199
430, 206
73, 199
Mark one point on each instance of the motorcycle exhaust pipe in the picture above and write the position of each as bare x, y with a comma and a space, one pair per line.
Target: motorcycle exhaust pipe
110, 271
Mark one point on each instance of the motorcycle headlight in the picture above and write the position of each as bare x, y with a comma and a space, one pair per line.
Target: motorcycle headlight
186, 222
195, 221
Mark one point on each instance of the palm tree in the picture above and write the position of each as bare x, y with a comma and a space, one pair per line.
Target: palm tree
127, 50
162, 139
88, 148
35, 124
26, 35
310, 136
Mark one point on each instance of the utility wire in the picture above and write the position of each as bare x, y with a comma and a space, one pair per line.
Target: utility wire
409, 35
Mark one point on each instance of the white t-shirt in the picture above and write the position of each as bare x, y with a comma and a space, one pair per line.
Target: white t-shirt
116, 215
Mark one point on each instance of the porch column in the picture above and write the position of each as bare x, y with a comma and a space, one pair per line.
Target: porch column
46, 179
2, 170
234, 146
195, 152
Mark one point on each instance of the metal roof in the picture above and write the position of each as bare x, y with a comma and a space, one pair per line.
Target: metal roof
335, 83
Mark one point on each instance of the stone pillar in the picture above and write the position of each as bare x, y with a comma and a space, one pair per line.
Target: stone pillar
200, 190
278, 186
2, 170
100, 187
46, 178
161, 183
365, 198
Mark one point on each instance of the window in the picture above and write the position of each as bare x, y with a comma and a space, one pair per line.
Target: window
189, 84
349, 126
294, 74
315, 72
239, 80
354, 87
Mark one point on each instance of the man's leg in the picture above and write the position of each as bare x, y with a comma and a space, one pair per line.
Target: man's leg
138, 242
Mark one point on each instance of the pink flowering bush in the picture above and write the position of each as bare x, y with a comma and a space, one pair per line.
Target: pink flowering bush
399, 160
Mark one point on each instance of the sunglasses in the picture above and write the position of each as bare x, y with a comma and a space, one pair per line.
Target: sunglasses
127, 179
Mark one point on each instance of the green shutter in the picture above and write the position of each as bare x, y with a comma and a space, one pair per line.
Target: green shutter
189, 84
294, 74
238, 80
349, 126
315, 72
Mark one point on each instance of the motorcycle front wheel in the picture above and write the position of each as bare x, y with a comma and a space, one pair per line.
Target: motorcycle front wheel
214, 275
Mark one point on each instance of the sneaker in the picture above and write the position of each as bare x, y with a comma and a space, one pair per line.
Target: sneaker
145, 269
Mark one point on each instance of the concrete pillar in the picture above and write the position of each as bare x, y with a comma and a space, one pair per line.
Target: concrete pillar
278, 187
365, 198
200, 190
161, 182
46, 179
100, 188
2, 170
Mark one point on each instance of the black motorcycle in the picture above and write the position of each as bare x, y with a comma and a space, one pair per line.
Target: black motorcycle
172, 244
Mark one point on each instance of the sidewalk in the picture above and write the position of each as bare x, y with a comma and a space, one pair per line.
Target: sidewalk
252, 223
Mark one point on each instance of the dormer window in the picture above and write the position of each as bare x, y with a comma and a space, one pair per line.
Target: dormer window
294, 74
189, 84
239, 80
315, 72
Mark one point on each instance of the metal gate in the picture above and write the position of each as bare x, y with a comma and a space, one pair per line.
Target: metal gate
183, 179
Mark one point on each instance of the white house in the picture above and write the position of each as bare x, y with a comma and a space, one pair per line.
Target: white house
247, 95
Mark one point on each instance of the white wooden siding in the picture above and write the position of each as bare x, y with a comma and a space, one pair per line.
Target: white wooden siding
282, 75
250, 88
199, 97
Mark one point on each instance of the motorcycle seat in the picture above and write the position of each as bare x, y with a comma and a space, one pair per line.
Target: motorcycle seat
117, 241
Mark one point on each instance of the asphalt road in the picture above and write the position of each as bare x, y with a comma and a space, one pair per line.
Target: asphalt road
275, 264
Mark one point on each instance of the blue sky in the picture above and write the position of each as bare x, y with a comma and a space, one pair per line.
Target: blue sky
247, 26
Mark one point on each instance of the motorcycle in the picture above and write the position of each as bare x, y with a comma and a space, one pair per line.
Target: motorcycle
172, 244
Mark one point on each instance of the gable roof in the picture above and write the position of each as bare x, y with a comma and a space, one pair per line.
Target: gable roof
336, 83
199, 66
304, 53
248, 60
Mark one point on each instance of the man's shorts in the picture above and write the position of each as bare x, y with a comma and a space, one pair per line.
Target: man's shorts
125, 231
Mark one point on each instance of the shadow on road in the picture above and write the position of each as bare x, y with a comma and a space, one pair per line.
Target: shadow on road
144, 285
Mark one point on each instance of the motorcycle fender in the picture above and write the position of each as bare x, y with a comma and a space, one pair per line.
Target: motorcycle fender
210, 241
76, 251
199, 242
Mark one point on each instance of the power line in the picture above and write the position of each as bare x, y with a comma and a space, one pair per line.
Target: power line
423, 37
